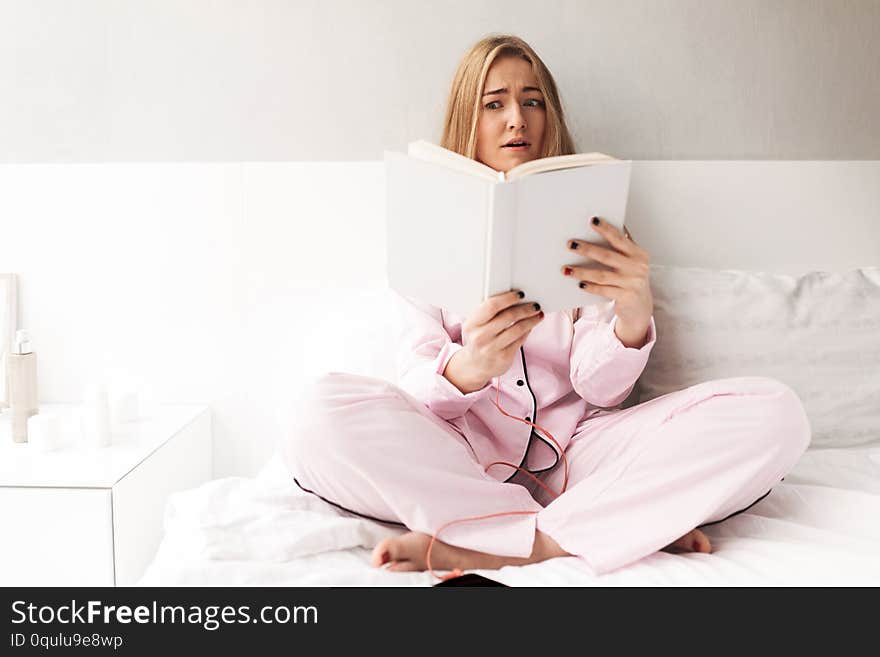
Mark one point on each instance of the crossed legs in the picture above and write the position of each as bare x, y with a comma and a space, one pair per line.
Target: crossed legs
641, 479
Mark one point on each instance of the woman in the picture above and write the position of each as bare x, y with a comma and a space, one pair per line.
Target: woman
426, 453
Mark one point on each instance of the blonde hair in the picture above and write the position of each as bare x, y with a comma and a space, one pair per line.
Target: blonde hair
463, 106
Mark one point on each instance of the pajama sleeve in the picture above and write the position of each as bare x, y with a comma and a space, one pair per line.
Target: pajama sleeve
424, 347
603, 371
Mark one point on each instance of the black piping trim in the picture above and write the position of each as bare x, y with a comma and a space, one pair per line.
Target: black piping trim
339, 506
715, 522
522, 462
535, 420
522, 355
555, 463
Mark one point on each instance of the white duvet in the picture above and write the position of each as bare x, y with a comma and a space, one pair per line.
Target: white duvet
820, 526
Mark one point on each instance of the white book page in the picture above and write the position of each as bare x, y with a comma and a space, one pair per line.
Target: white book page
436, 233
556, 163
502, 227
553, 208
425, 150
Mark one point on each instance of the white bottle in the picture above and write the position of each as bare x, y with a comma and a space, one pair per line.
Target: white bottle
22, 381
4, 381
96, 416
44, 431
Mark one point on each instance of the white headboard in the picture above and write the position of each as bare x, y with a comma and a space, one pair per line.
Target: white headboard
781, 216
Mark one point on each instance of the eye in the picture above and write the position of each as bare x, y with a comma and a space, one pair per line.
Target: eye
538, 103
489, 105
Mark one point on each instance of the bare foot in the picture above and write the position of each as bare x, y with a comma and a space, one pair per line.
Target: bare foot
693, 541
407, 553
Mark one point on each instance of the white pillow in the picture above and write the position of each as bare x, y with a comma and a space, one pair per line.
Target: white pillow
818, 333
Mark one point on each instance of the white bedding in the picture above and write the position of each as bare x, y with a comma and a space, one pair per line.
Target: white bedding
821, 526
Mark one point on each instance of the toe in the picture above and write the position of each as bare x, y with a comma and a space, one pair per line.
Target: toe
693, 541
381, 553
702, 543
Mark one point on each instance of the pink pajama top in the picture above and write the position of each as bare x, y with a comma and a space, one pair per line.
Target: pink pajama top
562, 376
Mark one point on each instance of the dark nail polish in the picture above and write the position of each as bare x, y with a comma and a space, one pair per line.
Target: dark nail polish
521, 294
567, 271
537, 306
582, 284
595, 221
541, 314
574, 245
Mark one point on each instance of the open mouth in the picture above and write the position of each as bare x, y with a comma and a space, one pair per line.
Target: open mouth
517, 145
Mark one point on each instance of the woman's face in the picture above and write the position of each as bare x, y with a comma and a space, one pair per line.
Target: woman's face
512, 109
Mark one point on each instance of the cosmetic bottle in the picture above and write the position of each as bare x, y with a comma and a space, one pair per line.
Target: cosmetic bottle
95, 418
4, 381
22, 385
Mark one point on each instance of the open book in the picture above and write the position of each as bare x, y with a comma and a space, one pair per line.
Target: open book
460, 232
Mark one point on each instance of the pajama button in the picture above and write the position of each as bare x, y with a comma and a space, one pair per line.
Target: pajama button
528, 419
519, 382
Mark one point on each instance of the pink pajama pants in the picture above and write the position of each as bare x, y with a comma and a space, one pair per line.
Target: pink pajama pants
639, 478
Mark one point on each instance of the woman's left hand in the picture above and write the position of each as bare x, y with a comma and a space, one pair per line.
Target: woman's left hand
627, 283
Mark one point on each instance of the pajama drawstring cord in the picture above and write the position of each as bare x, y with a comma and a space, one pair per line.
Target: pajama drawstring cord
456, 572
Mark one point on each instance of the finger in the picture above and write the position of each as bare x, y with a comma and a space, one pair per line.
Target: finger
600, 276
488, 333
607, 291
600, 254
512, 316
518, 332
487, 310
615, 237
516, 344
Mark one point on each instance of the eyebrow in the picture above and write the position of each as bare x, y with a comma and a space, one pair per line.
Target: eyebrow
504, 91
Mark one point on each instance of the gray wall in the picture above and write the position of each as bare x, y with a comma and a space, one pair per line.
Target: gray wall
229, 80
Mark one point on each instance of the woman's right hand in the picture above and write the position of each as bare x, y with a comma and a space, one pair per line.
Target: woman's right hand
494, 333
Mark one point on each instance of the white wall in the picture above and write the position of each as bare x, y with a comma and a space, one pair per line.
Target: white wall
226, 80
225, 284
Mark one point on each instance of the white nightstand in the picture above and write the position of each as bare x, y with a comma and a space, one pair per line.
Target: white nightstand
93, 516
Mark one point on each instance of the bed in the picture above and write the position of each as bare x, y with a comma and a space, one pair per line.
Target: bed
768, 287
818, 528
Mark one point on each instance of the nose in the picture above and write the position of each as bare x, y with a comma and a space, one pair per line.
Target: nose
515, 118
